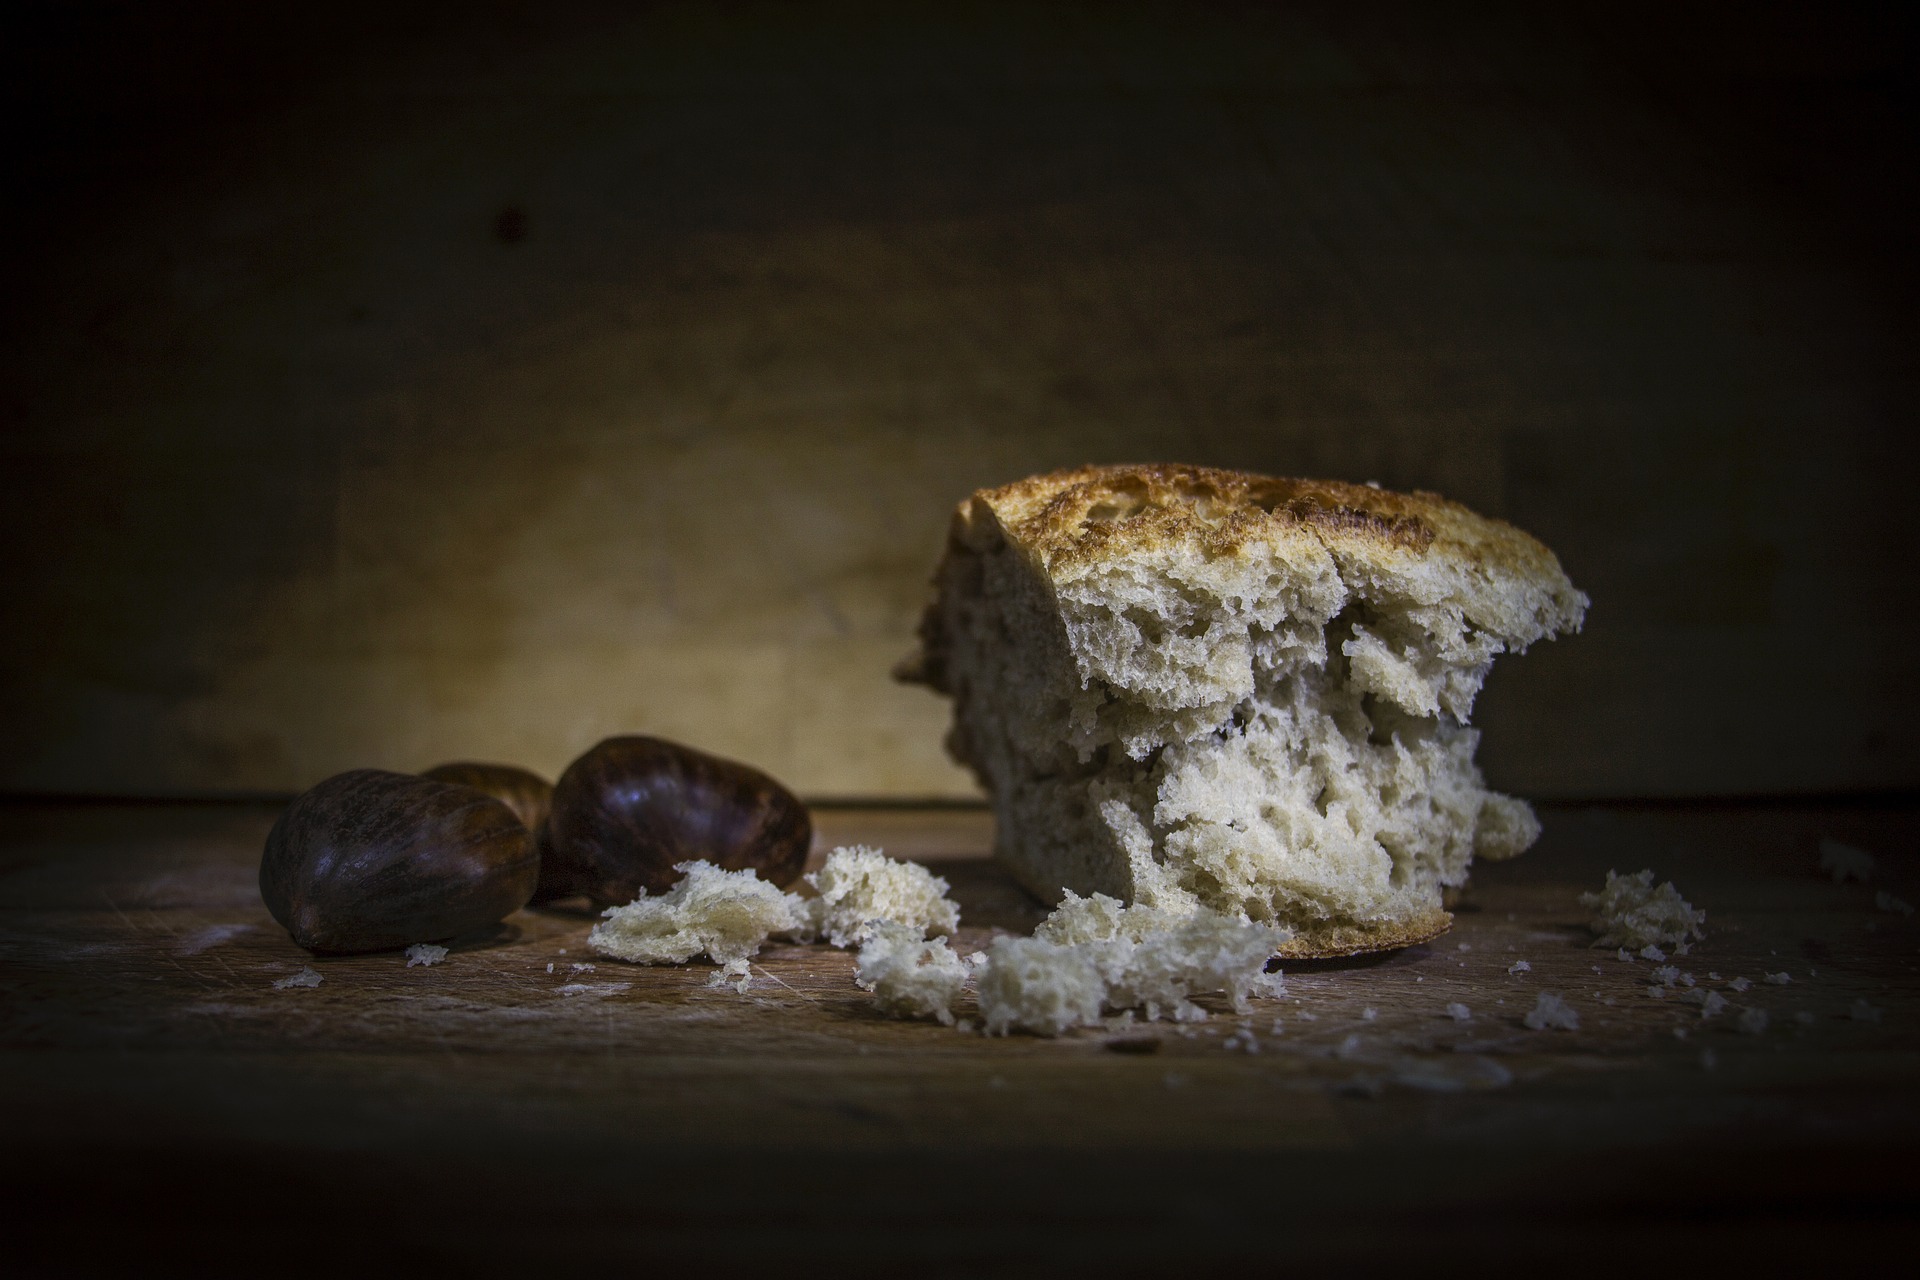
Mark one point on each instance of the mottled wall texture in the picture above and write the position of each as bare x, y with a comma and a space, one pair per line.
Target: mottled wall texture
384, 386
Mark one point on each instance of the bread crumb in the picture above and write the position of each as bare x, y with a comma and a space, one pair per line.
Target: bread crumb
1463, 947
310, 977
1887, 902
1652, 953
1305, 1016
858, 885
1521, 966
1860, 1012
425, 953
1741, 985
549, 966
1278, 1028
1804, 1018
1459, 1012
1551, 1011
1630, 911
1712, 1003
592, 988
1779, 979
1242, 1040
909, 976
1626, 955
725, 915
1752, 1022
1369, 1013
1349, 1047
964, 1026
1845, 862
1094, 954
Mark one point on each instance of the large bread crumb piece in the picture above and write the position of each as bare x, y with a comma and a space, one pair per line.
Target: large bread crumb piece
1096, 954
909, 976
1193, 689
725, 915
1630, 912
858, 886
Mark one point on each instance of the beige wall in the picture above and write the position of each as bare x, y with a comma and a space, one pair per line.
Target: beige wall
312, 468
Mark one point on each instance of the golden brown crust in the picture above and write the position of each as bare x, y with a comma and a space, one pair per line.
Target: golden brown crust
1096, 513
1332, 941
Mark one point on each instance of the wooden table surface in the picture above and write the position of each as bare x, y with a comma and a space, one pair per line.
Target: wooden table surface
168, 1107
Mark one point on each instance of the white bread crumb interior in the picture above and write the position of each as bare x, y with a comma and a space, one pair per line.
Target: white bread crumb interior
910, 977
725, 915
1630, 912
1194, 689
1096, 955
858, 886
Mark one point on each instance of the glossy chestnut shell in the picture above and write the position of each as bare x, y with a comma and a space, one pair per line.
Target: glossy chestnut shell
628, 810
370, 860
525, 792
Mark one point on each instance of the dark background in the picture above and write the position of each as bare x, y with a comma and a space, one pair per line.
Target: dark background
390, 383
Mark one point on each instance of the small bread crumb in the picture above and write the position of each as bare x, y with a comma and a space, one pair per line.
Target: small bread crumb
858, 885
1712, 1003
1551, 1011
1242, 1040
1521, 966
425, 953
1779, 979
1651, 952
310, 977
1630, 911
1741, 985
909, 976
725, 915
1094, 954
1459, 1012
1844, 862
1752, 1021
592, 988
1369, 1013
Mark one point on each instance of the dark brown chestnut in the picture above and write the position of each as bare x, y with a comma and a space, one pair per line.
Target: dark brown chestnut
369, 860
628, 810
525, 792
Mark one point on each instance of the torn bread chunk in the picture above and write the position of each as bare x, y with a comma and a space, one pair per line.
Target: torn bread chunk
1630, 912
909, 976
725, 915
1094, 955
858, 886
1188, 688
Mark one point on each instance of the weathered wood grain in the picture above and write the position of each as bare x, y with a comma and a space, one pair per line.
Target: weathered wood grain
142, 1038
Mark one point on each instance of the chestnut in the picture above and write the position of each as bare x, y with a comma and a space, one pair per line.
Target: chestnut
525, 792
370, 860
628, 810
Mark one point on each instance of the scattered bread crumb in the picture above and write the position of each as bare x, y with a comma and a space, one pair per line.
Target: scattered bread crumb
858, 885
1094, 954
1779, 979
1459, 1012
1521, 966
592, 988
1630, 911
1551, 1011
1752, 1021
1369, 1013
1651, 952
425, 953
1626, 955
310, 977
909, 976
725, 915
579, 968
1845, 862
549, 966
1242, 1040
1279, 1027
1741, 985
1887, 902
1712, 1003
